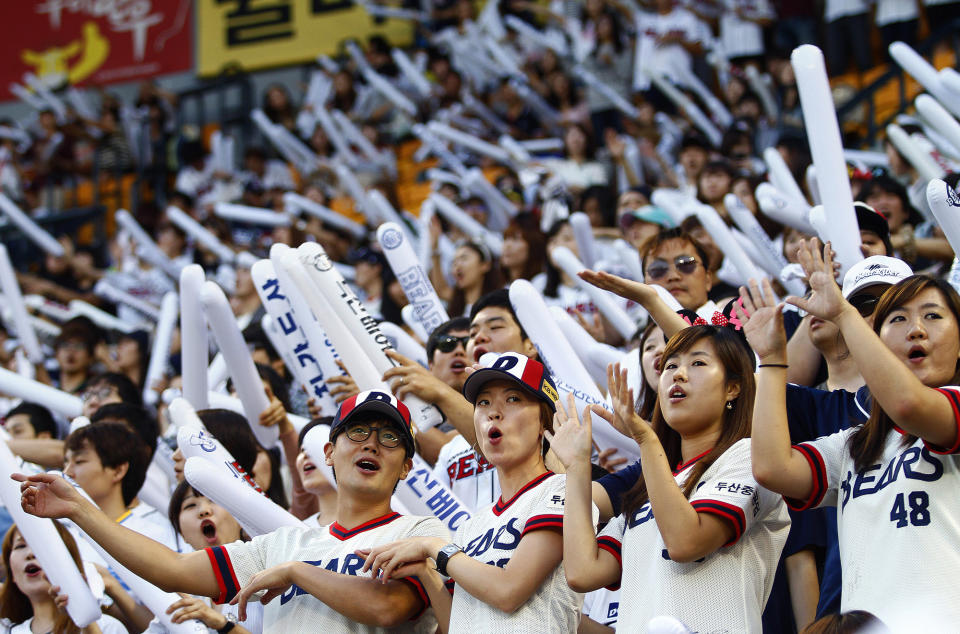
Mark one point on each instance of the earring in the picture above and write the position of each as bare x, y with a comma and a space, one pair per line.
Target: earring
729, 404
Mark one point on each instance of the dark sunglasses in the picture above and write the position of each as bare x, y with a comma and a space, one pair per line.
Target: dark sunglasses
865, 304
449, 343
685, 265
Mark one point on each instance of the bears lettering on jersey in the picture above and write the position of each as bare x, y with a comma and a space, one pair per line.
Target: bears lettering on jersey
914, 463
350, 565
505, 537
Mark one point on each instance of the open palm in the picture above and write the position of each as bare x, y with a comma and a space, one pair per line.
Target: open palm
762, 319
825, 300
628, 289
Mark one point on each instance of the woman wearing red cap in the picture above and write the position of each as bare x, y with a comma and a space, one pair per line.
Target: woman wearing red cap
505, 564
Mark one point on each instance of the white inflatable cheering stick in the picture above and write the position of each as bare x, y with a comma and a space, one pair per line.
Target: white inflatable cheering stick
31, 229
305, 354
823, 131
427, 306
11, 291
194, 350
360, 324
242, 369
42, 537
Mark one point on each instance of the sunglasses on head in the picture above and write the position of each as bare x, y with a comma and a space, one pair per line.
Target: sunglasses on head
449, 343
865, 304
684, 264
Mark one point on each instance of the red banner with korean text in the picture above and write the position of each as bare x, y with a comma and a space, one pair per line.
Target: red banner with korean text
94, 42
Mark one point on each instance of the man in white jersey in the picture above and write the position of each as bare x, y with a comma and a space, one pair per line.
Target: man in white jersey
731, 585
311, 577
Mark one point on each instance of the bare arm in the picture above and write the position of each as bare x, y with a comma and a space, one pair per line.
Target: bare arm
46, 452
776, 465
804, 585
366, 600
645, 295
586, 565
46, 495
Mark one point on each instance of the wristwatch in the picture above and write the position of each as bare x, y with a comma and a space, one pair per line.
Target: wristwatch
444, 556
229, 625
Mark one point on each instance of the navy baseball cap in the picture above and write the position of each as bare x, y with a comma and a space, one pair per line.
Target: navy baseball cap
375, 401
511, 366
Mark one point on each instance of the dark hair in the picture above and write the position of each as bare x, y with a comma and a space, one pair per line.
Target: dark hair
39, 416
590, 149
81, 328
737, 362
14, 604
457, 323
135, 417
115, 444
323, 420
233, 432
142, 339
853, 622
615, 31
665, 235
888, 184
499, 298
648, 396
124, 386
525, 227
179, 494
254, 335
274, 380
868, 441
600, 193
492, 279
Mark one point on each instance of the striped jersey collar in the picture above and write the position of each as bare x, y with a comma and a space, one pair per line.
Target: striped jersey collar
691, 461
502, 506
343, 534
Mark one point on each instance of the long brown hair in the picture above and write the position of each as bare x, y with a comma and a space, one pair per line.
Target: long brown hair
868, 441
648, 395
492, 279
738, 366
14, 604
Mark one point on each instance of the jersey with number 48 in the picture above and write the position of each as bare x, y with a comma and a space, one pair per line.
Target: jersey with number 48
898, 523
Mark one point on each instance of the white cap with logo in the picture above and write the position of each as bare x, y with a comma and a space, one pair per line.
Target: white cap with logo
877, 269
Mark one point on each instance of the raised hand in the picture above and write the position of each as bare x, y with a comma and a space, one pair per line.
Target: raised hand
47, 495
571, 440
629, 289
624, 417
190, 607
762, 319
825, 300
342, 387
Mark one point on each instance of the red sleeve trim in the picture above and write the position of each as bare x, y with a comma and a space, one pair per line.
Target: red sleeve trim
223, 571
733, 514
539, 522
819, 472
613, 547
421, 592
449, 585
954, 399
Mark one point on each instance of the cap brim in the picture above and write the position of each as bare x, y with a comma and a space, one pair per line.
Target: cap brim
476, 381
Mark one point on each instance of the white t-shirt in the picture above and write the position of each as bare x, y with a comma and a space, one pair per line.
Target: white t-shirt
491, 536
834, 9
331, 548
665, 60
726, 590
890, 11
467, 474
898, 525
149, 521
739, 37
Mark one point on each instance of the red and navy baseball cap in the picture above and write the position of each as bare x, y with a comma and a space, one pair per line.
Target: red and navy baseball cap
511, 366
375, 401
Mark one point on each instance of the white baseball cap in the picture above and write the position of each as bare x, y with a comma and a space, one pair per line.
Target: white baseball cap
877, 269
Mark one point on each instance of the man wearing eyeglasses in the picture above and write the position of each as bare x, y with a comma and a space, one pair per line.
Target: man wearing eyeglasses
311, 577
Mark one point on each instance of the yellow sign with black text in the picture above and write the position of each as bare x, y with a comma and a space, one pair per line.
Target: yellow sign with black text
256, 34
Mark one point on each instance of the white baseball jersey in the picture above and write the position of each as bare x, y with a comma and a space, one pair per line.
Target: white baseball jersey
151, 522
331, 548
898, 524
491, 536
726, 590
602, 606
467, 474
